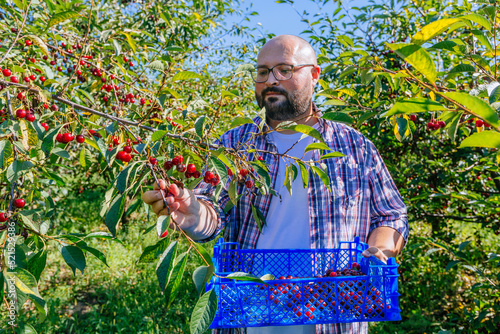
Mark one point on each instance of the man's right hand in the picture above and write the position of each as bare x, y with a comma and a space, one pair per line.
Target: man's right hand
184, 207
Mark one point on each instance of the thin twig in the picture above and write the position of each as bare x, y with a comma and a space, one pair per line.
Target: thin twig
18, 33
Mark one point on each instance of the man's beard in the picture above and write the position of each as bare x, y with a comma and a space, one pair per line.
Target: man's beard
295, 104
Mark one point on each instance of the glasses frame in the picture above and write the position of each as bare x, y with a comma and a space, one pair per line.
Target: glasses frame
269, 70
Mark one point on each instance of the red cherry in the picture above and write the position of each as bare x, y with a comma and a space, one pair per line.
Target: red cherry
209, 175
164, 234
142, 101
19, 203
111, 76
42, 79
20, 113
78, 72
214, 181
229, 172
153, 161
179, 159
54, 107
45, 106
28, 42
249, 184
243, 172
103, 79
168, 165
32, 77
67, 137
63, 44
441, 124
21, 96
52, 62
260, 158
6, 72
196, 174
80, 139
127, 149
191, 168
3, 217
30, 117
123, 156
59, 138
45, 126
26, 79
131, 64
479, 123
413, 118
14, 79
125, 59
181, 168
59, 68
45, 57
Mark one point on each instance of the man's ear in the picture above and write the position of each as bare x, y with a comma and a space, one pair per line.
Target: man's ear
315, 74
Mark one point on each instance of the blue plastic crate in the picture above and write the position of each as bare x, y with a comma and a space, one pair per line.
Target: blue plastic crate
307, 298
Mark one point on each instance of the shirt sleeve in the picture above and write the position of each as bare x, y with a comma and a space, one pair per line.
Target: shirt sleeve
386, 204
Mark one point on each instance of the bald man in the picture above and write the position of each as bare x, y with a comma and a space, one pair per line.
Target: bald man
363, 202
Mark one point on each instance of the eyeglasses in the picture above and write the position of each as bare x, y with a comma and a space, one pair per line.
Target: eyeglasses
281, 72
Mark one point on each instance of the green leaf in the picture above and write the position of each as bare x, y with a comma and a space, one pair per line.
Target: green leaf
494, 96
16, 169
317, 146
446, 45
5, 152
204, 254
48, 140
462, 68
203, 313
61, 17
27, 287
199, 125
304, 173
338, 117
152, 252
85, 160
36, 263
241, 276
259, 217
477, 106
481, 20
165, 265
451, 264
117, 46
123, 177
489, 139
323, 176
130, 42
453, 125
305, 129
432, 29
115, 212
332, 155
162, 225
38, 42
334, 102
201, 276
175, 277
185, 75
483, 39
240, 120
60, 152
219, 167
156, 65
417, 57
74, 257
414, 105
24, 328
157, 135
233, 191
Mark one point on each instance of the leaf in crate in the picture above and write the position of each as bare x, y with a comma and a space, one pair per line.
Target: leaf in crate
165, 265
268, 277
162, 225
201, 276
204, 313
115, 212
74, 257
175, 277
241, 276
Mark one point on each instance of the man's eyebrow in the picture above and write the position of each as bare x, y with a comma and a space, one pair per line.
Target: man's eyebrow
264, 66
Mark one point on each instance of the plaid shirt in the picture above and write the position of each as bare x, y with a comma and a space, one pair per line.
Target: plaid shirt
363, 197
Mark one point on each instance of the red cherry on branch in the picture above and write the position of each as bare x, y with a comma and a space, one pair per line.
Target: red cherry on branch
153, 161
42, 79
127, 149
45, 126
243, 172
6, 72
21, 96
191, 168
20, 113
80, 139
19, 203
479, 123
14, 79
30, 117
168, 165
3, 217
249, 184
32, 77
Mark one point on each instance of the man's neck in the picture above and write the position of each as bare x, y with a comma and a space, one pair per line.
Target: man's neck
306, 119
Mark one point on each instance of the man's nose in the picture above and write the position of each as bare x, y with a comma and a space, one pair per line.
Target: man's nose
271, 79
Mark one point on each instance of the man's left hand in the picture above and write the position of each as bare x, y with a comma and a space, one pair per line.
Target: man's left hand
374, 251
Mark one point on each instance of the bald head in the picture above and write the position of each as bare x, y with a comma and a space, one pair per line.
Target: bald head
293, 47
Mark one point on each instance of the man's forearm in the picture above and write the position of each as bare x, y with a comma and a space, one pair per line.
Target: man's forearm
387, 240
207, 222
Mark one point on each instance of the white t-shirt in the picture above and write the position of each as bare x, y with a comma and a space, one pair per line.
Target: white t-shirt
288, 217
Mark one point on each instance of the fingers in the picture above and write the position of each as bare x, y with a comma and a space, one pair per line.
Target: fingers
376, 252
163, 185
176, 191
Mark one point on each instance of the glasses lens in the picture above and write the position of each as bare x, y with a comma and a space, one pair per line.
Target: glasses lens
283, 72
260, 74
